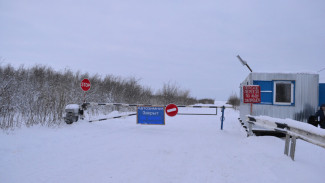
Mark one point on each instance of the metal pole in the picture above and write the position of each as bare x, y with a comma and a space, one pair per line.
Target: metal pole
222, 116
287, 143
251, 113
249, 68
293, 147
113, 117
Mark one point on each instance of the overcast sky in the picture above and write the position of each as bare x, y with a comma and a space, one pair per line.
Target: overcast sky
191, 43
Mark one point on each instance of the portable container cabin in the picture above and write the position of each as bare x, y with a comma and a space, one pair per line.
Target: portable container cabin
283, 95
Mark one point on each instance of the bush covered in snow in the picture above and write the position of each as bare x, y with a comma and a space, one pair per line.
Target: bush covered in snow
39, 94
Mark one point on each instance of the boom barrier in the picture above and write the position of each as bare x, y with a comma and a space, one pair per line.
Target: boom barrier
85, 105
134, 105
102, 119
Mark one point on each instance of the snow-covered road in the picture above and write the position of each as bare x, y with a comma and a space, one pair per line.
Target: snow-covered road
186, 149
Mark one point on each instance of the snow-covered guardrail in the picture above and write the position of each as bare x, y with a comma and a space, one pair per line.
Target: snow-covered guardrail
292, 129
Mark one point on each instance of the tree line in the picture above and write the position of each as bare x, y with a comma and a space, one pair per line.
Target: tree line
38, 95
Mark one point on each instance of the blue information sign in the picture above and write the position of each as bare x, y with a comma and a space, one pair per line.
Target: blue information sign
151, 115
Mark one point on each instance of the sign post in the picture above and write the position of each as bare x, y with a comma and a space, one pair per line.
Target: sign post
85, 86
252, 94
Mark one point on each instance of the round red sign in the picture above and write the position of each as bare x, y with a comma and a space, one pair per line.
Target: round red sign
171, 110
85, 84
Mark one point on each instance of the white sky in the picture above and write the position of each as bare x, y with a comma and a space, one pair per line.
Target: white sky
191, 43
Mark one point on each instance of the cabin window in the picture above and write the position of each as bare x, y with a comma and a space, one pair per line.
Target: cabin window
283, 92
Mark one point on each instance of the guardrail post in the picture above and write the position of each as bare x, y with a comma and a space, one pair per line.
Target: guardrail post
250, 129
293, 147
286, 147
250, 121
292, 143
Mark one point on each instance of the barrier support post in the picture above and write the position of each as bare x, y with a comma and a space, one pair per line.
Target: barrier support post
222, 116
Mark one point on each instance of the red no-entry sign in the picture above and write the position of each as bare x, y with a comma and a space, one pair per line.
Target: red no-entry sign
85, 84
171, 110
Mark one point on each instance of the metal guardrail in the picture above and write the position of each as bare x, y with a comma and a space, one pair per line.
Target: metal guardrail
292, 133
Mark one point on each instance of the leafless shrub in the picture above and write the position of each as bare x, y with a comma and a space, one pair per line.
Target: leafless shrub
38, 95
234, 101
206, 101
172, 93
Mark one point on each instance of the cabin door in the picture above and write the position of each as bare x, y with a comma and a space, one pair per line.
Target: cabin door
321, 93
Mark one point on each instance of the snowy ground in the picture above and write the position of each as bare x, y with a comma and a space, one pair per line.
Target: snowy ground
187, 149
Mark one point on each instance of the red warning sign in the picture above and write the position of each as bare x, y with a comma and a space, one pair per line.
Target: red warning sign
171, 110
85, 84
252, 94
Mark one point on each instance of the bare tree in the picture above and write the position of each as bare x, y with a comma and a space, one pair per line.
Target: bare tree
38, 95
